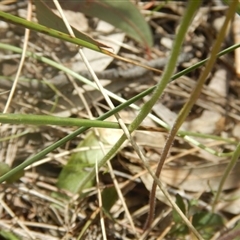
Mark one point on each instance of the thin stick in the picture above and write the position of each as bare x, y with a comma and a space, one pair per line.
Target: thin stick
25, 43
226, 173
15, 218
100, 203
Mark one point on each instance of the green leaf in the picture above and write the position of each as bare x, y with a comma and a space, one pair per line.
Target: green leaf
181, 205
75, 170
4, 168
109, 197
207, 223
6, 235
179, 227
207, 219
121, 14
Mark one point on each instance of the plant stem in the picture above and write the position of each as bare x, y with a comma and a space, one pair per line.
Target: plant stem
158, 91
226, 173
186, 21
57, 144
53, 120
193, 97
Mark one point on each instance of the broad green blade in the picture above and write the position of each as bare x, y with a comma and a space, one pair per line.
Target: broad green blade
76, 169
80, 163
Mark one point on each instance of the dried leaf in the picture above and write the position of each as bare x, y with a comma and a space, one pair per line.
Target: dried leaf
218, 83
200, 178
99, 61
201, 125
230, 202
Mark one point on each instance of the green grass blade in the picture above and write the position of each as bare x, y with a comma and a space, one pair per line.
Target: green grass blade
52, 120
89, 43
57, 144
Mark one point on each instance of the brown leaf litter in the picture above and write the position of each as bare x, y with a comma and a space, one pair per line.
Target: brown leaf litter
28, 207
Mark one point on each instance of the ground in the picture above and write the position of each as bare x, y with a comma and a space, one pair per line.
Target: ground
45, 203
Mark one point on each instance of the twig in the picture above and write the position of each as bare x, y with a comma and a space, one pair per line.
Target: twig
15, 218
100, 204
25, 43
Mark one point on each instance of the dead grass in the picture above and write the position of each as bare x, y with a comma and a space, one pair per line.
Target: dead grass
28, 207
